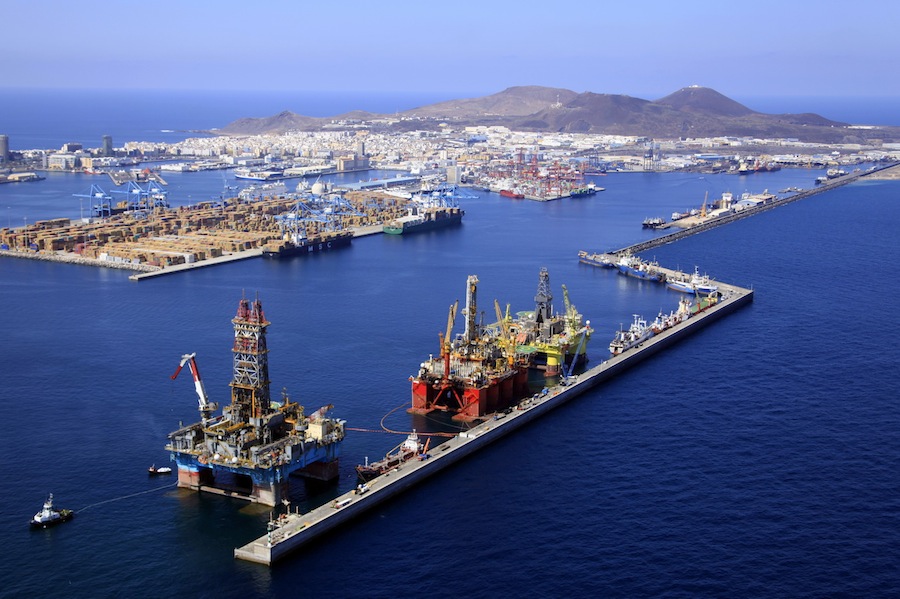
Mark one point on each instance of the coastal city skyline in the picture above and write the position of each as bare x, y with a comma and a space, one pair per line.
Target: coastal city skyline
775, 49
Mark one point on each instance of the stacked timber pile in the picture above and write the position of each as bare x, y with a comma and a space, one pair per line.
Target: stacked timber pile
187, 234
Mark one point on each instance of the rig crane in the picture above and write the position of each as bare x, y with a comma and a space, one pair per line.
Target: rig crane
206, 407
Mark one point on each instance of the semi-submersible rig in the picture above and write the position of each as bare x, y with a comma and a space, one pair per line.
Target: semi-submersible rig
256, 443
485, 369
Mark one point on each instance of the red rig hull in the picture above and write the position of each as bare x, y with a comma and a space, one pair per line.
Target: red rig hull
469, 398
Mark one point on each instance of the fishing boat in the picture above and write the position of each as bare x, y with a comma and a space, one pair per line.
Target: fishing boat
696, 283
633, 336
632, 266
49, 517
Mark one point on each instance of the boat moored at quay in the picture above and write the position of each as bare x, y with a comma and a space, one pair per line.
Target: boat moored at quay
429, 209
601, 260
411, 448
632, 266
300, 245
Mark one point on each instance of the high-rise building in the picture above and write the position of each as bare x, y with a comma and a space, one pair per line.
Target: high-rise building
4, 149
107, 145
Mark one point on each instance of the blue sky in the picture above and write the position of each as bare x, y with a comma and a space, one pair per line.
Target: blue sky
645, 49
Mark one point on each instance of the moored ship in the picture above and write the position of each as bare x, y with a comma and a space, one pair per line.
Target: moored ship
601, 260
509, 193
429, 209
633, 336
411, 448
632, 266
424, 220
667, 321
299, 245
696, 283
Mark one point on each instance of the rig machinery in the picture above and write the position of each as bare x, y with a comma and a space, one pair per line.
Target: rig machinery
255, 443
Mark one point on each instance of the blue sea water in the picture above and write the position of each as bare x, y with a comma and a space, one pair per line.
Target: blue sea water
40, 118
757, 458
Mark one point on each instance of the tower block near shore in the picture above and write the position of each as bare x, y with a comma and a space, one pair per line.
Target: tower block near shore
251, 449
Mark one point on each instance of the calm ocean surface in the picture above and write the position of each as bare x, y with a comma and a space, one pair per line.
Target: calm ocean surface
758, 458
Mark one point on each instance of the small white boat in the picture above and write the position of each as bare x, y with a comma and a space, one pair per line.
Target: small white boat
153, 470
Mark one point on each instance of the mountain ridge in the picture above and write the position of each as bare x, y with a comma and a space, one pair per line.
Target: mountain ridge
692, 111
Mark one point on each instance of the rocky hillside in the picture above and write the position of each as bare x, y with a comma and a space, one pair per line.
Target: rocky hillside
689, 112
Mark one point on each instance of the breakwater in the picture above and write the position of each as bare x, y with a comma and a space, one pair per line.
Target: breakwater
292, 531
747, 212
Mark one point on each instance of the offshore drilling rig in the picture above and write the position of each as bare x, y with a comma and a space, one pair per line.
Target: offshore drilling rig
255, 443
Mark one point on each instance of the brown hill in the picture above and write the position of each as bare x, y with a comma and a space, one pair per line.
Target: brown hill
513, 101
692, 111
704, 101
280, 123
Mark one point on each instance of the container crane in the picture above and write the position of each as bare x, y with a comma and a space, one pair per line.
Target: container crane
206, 407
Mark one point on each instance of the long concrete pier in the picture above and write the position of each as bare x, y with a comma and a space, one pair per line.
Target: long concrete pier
731, 217
293, 531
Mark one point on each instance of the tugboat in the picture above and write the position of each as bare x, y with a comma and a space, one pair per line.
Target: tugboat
48, 517
412, 447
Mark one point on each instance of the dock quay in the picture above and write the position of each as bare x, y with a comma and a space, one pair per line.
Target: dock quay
187, 237
231, 257
733, 216
293, 531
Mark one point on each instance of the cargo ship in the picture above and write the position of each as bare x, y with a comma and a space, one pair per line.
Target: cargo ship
508, 193
255, 444
310, 229
556, 342
424, 219
478, 373
299, 245
429, 209
588, 190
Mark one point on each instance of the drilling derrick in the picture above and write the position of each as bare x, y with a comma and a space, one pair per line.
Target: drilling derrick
473, 376
559, 341
250, 383
252, 448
